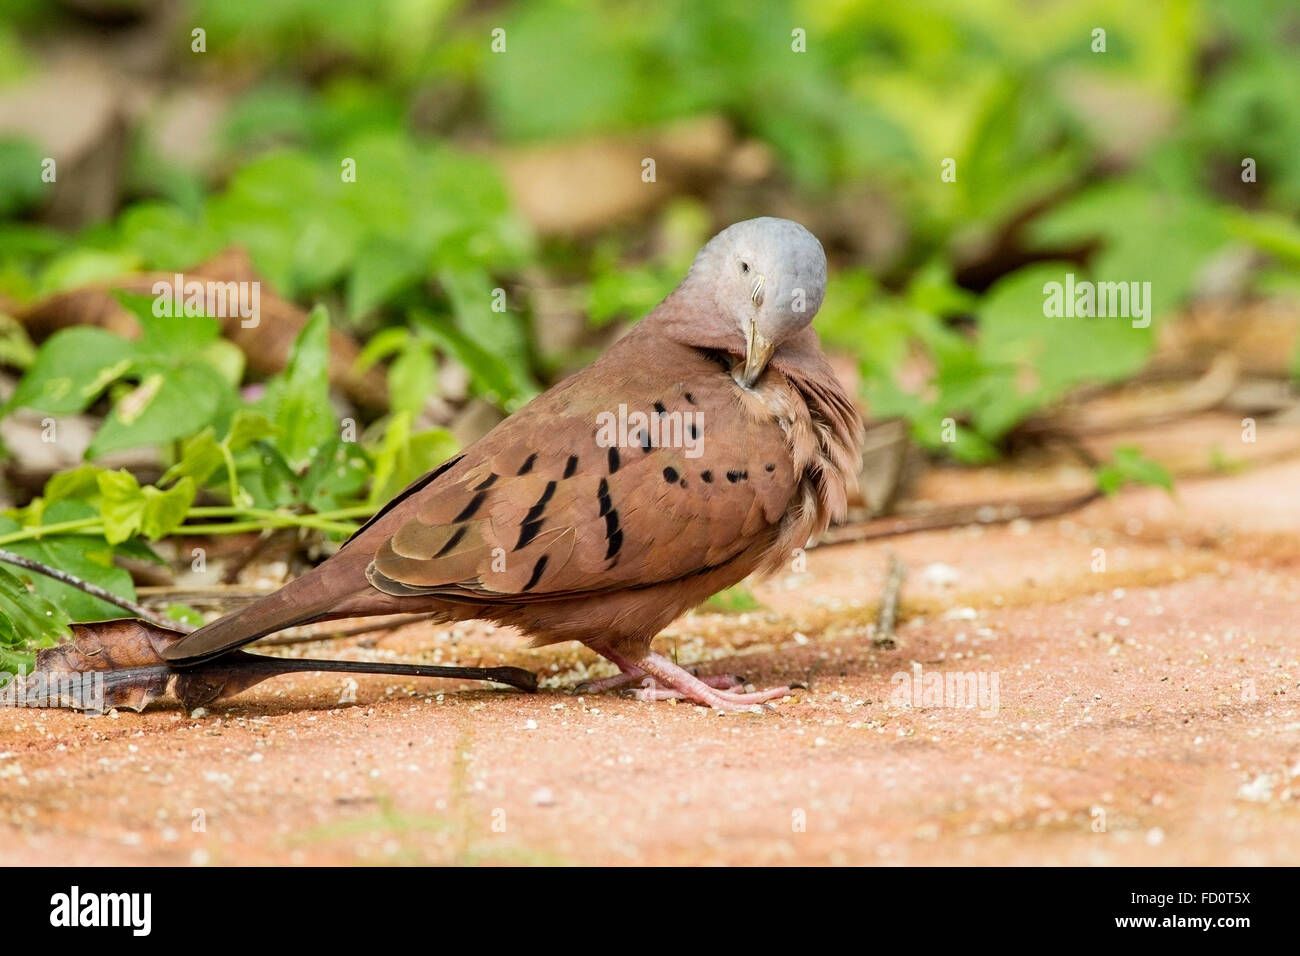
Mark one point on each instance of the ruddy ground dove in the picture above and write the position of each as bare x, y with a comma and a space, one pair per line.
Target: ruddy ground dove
709, 442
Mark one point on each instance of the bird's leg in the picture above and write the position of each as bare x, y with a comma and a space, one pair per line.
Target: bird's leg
681, 684
632, 674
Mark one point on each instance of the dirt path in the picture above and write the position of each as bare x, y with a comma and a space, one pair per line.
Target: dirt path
1146, 712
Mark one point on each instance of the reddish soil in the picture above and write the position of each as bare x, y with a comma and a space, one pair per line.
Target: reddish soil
1146, 713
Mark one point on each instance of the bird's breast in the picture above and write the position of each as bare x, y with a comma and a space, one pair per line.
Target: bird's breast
773, 402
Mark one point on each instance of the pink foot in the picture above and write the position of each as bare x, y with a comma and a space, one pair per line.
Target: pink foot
653, 691
636, 675
669, 681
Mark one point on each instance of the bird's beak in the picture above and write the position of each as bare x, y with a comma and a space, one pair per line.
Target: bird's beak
758, 352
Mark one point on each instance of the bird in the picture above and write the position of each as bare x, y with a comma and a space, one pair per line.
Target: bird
711, 441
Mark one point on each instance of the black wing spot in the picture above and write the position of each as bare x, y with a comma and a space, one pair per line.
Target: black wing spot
644, 441
735, 476
469, 510
613, 460
682, 482
690, 398
487, 482
670, 475
769, 467
602, 494
536, 510
707, 477
659, 408
532, 522
693, 432
527, 466
527, 532
571, 466
452, 541
536, 576
613, 534
615, 542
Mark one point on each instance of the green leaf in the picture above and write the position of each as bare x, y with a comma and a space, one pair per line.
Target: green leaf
81, 267
411, 378
71, 368
80, 482
200, 458
247, 427
336, 477
267, 477
166, 405
164, 236
20, 175
491, 375
85, 556
164, 511
16, 348
498, 334
168, 338
1128, 465
382, 344
403, 457
226, 358
1148, 233
1034, 358
26, 620
184, 614
121, 505
383, 268
297, 400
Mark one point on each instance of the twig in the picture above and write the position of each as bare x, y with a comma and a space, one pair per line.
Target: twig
957, 516
94, 590
889, 604
221, 596
258, 519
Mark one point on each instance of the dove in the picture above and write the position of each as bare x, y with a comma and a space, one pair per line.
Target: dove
709, 442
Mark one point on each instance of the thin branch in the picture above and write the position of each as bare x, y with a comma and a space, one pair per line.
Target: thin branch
955, 516
94, 590
889, 604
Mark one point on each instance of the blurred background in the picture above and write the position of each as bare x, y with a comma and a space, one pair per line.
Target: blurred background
476, 198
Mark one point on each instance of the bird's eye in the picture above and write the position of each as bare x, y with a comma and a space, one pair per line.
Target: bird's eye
744, 267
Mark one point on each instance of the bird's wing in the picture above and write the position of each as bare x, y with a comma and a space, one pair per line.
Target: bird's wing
609, 482
557, 502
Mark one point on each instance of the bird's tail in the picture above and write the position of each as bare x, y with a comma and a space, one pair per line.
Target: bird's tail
313, 597
123, 663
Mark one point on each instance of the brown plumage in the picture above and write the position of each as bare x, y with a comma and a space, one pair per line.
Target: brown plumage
559, 524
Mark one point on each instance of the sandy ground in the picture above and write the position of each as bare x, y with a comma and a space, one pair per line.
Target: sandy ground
1145, 651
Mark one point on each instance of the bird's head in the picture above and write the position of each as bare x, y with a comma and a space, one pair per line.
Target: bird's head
768, 278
